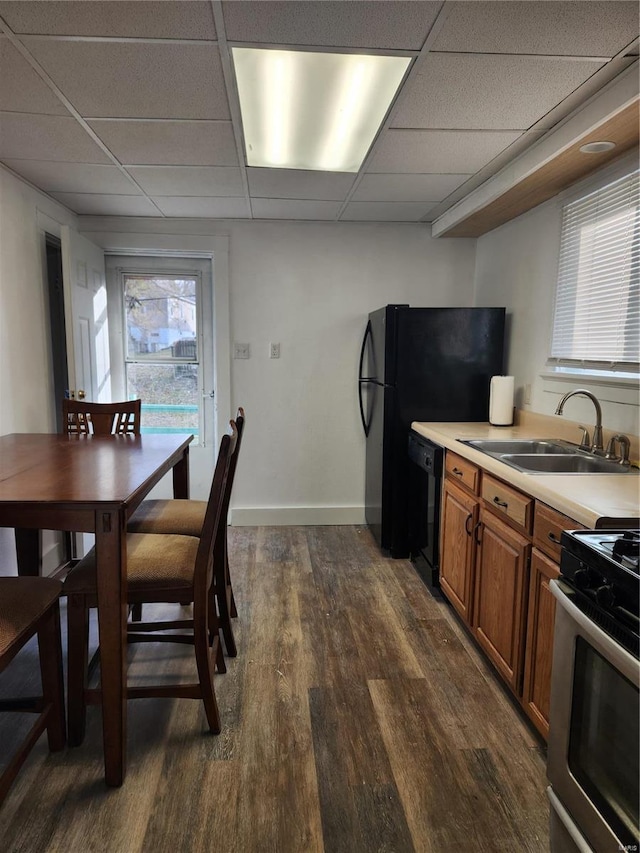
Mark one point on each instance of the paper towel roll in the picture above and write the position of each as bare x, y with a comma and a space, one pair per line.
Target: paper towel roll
501, 401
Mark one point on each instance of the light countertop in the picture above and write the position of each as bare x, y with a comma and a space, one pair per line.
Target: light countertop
587, 498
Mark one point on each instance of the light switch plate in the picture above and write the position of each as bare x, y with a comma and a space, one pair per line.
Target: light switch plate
274, 350
241, 350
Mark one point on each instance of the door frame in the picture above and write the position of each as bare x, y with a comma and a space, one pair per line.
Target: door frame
215, 248
117, 266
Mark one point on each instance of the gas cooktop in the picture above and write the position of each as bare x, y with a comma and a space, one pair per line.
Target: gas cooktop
603, 566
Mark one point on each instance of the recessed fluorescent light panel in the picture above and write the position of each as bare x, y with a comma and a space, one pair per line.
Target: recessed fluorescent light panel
303, 110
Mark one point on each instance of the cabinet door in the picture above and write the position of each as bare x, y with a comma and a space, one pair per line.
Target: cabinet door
500, 592
539, 653
459, 517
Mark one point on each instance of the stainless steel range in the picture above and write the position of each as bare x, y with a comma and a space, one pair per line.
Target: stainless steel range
594, 722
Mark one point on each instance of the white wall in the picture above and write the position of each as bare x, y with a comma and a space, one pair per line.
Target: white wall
516, 266
308, 286
26, 378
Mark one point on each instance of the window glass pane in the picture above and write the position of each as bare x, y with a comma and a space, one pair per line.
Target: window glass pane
160, 317
604, 744
169, 394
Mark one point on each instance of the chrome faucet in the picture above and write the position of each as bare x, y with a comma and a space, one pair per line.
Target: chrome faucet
597, 430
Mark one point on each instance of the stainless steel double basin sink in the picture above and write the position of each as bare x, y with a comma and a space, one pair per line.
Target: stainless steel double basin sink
547, 456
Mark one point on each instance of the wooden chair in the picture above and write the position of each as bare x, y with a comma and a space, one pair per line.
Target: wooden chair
186, 517
160, 568
82, 418
29, 606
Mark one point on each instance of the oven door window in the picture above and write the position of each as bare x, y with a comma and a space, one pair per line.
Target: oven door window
603, 743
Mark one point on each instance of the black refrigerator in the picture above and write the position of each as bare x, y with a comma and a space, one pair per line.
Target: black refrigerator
418, 364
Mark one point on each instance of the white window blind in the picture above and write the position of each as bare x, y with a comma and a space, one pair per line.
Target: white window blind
597, 311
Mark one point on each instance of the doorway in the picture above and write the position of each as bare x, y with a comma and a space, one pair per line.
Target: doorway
161, 326
53, 254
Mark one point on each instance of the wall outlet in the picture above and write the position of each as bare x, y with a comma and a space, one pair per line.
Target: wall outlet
527, 394
241, 351
274, 350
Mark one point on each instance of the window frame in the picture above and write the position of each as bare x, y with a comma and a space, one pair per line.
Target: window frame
620, 374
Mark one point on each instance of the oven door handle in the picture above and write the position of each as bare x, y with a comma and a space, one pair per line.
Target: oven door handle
619, 657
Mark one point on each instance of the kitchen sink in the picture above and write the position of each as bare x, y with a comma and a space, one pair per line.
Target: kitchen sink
546, 456
578, 463
536, 445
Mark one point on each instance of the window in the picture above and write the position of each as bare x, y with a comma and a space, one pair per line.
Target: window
161, 350
597, 312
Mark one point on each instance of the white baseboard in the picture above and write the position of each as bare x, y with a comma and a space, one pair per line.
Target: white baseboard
296, 515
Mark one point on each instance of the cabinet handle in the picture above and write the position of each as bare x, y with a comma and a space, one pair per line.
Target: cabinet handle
458, 472
466, 524
497, 501
476, 531
553, 538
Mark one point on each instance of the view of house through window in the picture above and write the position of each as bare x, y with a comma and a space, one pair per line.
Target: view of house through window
161, 350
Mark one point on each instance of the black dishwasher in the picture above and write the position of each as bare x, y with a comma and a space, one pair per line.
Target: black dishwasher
425, 486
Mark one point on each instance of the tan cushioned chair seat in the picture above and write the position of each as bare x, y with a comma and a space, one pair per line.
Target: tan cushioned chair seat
152, 561
169, 516
22, 602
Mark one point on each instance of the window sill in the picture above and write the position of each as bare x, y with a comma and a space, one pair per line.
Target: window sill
592, 377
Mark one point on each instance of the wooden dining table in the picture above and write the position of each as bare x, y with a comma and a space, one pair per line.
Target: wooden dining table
90, 484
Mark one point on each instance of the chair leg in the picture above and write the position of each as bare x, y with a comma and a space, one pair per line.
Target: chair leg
51, 671
214, 633
225, 623
78, 651
221, 666
232, 607
222, 596
204, 657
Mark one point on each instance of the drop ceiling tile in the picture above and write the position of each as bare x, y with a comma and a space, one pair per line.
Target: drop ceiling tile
41, 137
559, 28
218, 208
380, 24
372, 211
189, 180
93, 204
139, 79
278, 208
73, 177
440, 151
183, 19
22, 90
169, 143
294, 183
409, 187
490, 92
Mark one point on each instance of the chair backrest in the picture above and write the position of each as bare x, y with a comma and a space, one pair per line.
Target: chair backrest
213, 521
82, 418
240, 418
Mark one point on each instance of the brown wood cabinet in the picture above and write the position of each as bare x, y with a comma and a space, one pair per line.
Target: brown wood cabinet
539, 643
548, 525
457, 555
500, 595
499, 550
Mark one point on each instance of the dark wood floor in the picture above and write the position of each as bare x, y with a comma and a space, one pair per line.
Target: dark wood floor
357, 717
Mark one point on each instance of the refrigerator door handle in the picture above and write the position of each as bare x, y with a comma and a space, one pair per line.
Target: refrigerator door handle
361, 379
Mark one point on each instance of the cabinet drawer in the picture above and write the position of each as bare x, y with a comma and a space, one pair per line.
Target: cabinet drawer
462, 471
508, 503
548, 525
